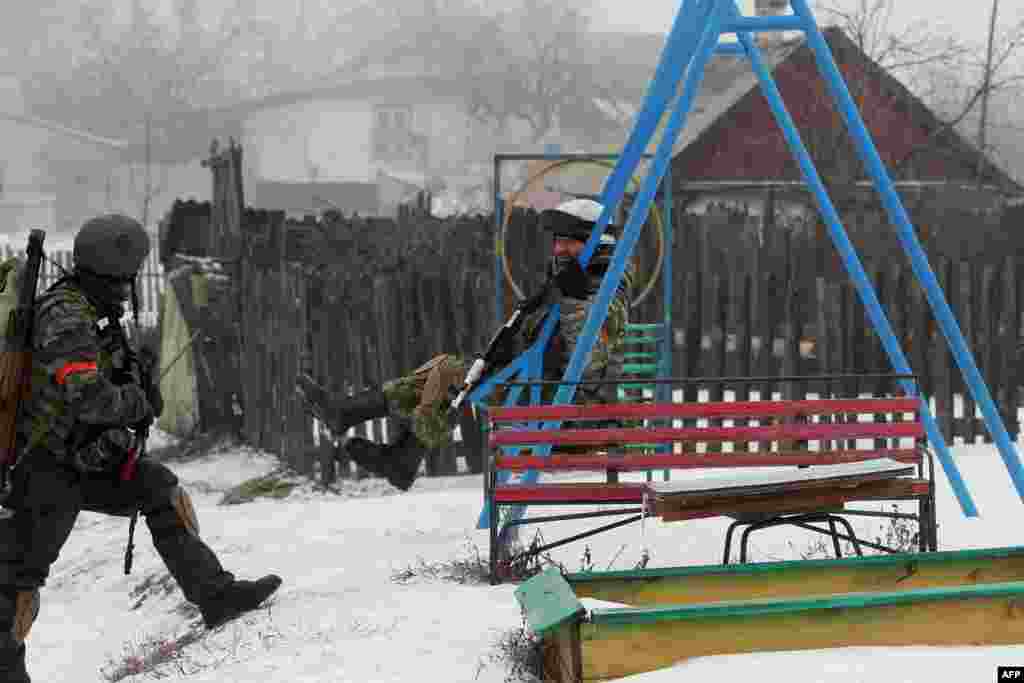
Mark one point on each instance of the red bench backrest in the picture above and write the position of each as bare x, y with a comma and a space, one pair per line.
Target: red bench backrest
781, 421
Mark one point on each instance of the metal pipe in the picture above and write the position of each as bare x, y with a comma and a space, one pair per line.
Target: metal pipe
573, 515
586, 534
720, 380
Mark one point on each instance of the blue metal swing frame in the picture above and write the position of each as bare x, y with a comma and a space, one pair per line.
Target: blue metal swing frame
692, 41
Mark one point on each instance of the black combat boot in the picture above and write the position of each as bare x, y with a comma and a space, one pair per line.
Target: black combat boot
237, 598
340, 413
399, 462
12, 662
12, 645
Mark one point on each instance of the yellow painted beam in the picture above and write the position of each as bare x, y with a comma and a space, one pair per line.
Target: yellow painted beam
617, 650
797, 579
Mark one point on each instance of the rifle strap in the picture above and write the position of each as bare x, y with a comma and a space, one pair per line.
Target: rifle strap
131, 543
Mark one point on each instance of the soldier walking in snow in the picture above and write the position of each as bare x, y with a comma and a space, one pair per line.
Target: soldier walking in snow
92, 398
420, 400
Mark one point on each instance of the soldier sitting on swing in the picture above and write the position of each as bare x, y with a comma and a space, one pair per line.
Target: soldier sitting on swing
419, 401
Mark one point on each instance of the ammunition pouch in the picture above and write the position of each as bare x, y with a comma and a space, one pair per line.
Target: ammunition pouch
102, 449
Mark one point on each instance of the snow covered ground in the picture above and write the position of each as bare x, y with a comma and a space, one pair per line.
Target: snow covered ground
360, 602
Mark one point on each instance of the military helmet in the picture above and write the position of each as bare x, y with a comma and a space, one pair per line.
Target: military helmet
113, 245
575, 219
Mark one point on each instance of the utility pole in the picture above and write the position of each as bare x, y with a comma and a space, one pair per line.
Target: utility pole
147, 196
987, 86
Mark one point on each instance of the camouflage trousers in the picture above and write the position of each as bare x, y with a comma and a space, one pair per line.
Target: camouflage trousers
422, 397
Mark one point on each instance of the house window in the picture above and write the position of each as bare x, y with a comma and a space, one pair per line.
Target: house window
393, 138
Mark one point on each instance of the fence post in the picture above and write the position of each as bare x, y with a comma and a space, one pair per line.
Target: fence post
943, 360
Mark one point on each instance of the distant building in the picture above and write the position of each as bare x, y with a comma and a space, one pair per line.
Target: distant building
379, 135
732, 150
51, 176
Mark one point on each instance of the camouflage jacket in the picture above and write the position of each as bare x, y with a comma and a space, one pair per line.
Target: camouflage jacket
81, 385
606, 356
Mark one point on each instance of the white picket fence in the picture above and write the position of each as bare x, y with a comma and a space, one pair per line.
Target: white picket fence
151, 280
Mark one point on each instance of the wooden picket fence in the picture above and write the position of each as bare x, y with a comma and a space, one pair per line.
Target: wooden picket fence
356, 301
151, 279
783, 304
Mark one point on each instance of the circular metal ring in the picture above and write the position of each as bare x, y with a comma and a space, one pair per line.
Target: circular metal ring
507, 214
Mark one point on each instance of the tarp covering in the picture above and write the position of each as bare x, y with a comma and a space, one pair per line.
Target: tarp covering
181, 405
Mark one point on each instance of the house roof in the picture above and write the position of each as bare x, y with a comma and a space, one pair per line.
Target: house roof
61, 129
729, 79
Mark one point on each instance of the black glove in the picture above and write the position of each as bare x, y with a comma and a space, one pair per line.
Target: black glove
149, 381
571, 278
532, 303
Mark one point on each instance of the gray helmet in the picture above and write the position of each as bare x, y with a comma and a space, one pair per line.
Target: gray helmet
113, 245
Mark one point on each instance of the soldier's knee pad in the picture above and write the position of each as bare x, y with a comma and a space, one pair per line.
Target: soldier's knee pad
445, 372
186, 512
19, 609
177, 513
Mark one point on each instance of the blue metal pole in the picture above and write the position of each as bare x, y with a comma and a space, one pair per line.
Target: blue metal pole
528, 366
853, 266
637, 217
677, 53
784, 22
918, 259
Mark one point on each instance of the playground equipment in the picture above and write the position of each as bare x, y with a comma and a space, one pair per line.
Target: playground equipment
856, 462
649, 344
969, 597
693, 39
924, 598
529, 365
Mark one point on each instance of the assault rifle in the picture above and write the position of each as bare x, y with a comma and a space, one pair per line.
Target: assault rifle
16, 359
500, 342
145, 366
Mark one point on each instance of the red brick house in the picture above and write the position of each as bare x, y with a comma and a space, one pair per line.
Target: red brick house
732, 149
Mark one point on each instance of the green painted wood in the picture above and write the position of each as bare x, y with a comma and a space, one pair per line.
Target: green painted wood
644, 327
637, 368
973, 555
740, 610
548, 601
640, 355
638, 385
630, 339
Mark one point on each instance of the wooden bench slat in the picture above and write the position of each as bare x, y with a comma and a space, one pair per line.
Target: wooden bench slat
573, 493
633, 463
718, 409
772, 505
570, 493
776, 432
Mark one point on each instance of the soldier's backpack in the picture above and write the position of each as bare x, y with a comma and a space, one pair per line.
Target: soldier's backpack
18, 285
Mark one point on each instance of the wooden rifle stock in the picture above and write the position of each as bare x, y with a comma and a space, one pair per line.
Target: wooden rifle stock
16, 358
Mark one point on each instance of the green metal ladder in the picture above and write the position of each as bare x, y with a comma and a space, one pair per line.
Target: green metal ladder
645, 362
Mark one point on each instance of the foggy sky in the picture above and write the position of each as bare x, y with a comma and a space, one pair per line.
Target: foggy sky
968, 20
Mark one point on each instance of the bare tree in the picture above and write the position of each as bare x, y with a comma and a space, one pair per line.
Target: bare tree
952, 76
133, 80
527, 62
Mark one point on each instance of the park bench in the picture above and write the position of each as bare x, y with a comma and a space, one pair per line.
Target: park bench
822, 452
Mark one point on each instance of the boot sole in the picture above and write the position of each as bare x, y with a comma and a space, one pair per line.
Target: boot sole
233, 614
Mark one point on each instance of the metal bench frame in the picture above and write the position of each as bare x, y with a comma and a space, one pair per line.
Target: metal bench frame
632, 496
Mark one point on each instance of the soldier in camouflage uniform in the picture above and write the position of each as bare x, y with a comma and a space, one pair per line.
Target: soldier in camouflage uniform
420, 400
89, 399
